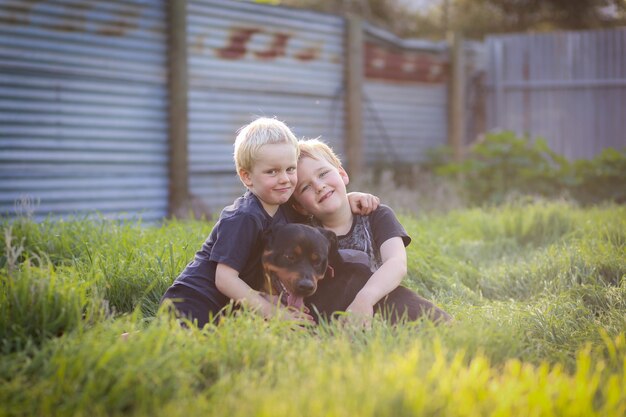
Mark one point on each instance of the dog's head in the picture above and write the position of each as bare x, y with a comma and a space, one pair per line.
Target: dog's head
295, 258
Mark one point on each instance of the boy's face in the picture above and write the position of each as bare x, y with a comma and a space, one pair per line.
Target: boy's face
273, 175
321, 188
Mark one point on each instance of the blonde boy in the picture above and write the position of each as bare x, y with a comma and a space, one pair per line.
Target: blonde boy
228, 266
321, 193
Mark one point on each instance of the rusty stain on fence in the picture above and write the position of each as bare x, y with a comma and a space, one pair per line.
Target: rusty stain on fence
309, 54
115, 23
236, 45
276, 48
239, 38
394, 65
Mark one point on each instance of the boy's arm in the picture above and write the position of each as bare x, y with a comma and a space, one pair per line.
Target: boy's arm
228, 283
384, 280
363, 203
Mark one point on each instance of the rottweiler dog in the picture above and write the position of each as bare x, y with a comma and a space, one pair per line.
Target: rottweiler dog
303, 265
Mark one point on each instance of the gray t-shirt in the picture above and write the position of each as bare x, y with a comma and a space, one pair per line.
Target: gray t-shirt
367, 234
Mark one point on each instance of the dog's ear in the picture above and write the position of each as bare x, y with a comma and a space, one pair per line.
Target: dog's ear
333, 249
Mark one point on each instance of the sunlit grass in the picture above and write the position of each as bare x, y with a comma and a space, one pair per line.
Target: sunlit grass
538, 293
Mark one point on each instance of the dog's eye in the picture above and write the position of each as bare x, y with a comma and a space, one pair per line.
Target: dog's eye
289, 257
316, 260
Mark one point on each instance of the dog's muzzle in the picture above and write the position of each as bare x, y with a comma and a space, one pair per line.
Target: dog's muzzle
305, 286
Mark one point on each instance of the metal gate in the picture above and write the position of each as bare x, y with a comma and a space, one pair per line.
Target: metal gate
568, 87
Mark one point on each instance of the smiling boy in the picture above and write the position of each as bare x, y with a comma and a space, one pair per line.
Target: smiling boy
228, 265
377, 239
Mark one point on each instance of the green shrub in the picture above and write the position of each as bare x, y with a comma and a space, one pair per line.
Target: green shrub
505, 164
601, 178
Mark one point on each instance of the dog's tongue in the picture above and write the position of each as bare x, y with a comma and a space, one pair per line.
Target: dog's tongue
295, 301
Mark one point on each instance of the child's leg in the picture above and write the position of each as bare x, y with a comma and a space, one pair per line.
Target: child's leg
404, 304
191, 304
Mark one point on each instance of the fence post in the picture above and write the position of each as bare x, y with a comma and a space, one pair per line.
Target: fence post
354, 95
177, 87
498, 69
457, 95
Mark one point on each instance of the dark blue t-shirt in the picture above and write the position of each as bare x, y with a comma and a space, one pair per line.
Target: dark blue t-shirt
236, 241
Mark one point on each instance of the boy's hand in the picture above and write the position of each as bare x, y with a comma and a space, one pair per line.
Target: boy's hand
363, 203
361, 311
273, 308
299, 316
272, 299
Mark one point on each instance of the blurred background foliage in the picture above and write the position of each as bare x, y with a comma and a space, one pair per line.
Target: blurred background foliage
503, 165
475, 18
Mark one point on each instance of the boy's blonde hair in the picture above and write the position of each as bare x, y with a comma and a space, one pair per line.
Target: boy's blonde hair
262, 131
316, 149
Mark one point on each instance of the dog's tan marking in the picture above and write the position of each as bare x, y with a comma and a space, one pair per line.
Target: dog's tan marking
285, 276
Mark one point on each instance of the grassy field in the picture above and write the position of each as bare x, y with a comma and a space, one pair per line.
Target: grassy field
538, 292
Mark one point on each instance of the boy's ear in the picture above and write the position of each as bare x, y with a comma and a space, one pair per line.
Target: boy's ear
344, 176
244, 176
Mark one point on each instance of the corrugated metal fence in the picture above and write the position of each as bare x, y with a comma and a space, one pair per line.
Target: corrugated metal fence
248, 60
84, 95
83, 107
569, 88
404, 97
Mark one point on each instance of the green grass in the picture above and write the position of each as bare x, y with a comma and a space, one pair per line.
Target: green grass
538, 292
